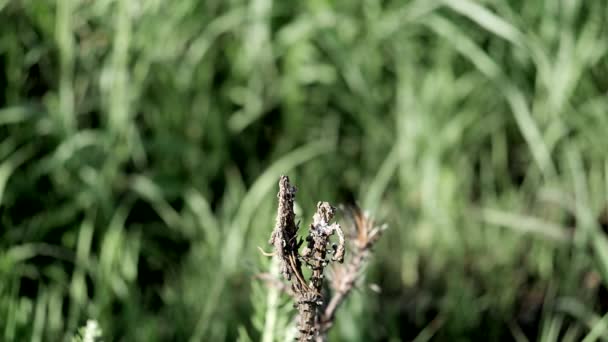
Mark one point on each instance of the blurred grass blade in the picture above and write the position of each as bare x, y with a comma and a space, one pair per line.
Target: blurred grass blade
382, 179
272, 303
583, 314
15, 115
524, 224
69, 148
513, 95
599, 243
207, 220
429, 331
463, 44
599, 330
9, 165
65, 43
486, 19
529, 129
551, 328
40, 316
153, 194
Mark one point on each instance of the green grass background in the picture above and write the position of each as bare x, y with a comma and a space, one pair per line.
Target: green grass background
141, 143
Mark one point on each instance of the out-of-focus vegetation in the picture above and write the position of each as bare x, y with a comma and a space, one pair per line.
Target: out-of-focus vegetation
141, 143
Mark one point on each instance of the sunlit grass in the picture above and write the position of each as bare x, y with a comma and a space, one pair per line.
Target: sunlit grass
141, 143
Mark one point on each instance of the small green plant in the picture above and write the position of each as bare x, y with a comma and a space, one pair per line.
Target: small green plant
91, 332
317, 303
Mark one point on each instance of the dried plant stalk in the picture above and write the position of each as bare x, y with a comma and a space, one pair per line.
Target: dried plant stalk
314, 317
285, 233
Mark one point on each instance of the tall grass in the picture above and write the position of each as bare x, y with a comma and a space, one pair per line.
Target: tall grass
141, 142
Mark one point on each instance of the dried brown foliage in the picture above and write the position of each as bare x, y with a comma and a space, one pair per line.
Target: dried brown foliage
316, 303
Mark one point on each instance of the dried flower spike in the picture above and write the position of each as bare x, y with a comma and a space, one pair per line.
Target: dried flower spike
314, 319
